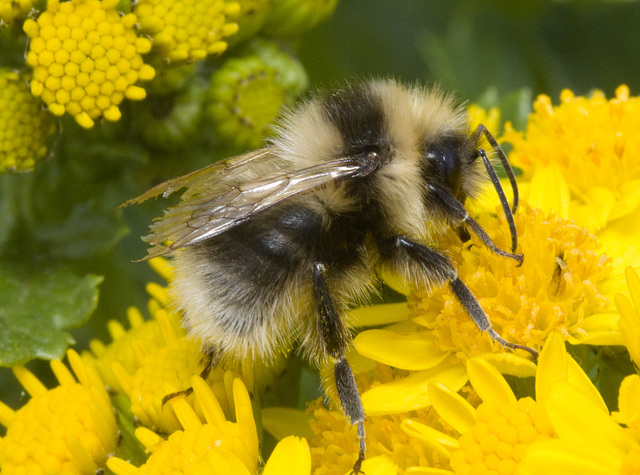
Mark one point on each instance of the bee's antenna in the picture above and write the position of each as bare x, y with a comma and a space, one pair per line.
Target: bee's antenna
482, 130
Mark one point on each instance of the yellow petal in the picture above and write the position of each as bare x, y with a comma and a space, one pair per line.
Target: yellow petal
512, 364
430, 437
358, 362
488, 382
552, 366
291, 456
629, 326
7, 415
410, 393
121, 467
563, 457
620, 241
428, 471
629, 401
218, 461
593, 211
633, 282
380, 465
452, 407
207, 401
244, 417
597, 329
630, 191
581, 381
395, 282
577, 418
412, 350
555, 364
549, 190
381, 314
28, 381
281, 422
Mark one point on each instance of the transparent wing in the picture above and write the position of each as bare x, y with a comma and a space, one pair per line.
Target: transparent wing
200, 179
201, 215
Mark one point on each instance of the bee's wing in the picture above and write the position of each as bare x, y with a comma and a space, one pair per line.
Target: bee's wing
200, 216
199, 178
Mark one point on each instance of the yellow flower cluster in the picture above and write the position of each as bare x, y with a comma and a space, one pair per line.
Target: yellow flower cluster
591, 144
24, 125
191, 444
86, 59
499, 439
10, 9
188, 29
152, 355
554, 290
72, 429
391, 441
69, 429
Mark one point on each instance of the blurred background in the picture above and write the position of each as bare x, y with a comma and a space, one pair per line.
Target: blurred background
481, 47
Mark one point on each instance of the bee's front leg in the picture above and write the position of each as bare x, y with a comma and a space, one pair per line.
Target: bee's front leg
333, 336
403, 252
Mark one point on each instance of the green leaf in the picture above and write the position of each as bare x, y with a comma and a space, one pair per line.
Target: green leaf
36, 308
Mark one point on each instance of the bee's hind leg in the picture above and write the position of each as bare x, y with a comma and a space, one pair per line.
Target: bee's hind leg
210, 358
333, 340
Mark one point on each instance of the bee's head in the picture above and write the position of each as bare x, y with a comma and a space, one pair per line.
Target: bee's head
448, 163
451, 164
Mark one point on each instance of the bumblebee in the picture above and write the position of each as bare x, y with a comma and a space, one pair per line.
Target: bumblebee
273, 246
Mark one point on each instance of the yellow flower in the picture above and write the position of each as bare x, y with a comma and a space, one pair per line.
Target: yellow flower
290, 456
68, 429
24, 125
156, 354
500, 435
390, 446
588, 439
86, 59
487, 429
581, 158
216, 446
11, 9
555, 290
187, 30
186, 446
489, 118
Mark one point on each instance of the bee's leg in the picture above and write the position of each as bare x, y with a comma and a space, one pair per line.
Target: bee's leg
400, 249
210, 359
333, 336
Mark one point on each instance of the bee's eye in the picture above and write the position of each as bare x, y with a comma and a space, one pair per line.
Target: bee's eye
444, 163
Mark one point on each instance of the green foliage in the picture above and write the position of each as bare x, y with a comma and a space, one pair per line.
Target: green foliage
36, 307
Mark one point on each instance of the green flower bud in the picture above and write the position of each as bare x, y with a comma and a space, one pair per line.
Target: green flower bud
289, 18
169, 121
247, 93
